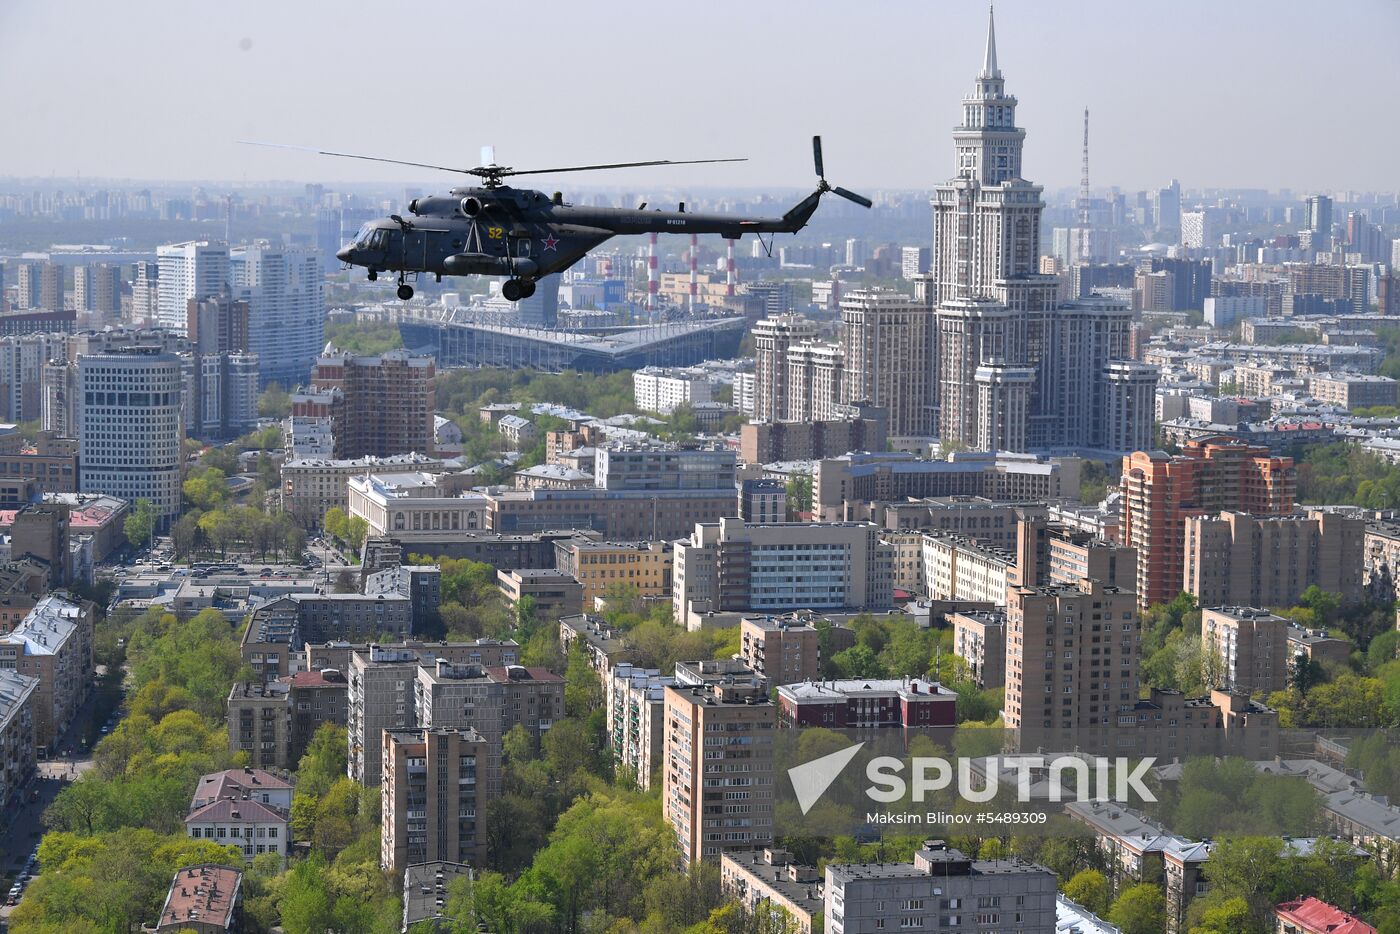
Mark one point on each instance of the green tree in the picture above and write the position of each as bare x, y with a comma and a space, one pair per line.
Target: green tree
200, 654
1139, 909
140, 523
525, 617
1245, 867
324, 761
335, 523
274, 402
306, 906
583, 692
859, 661
110, 882
344, 581
206, 488
1095, 479
184, 535
1090, 888
799, 495
356, 529
1227, 916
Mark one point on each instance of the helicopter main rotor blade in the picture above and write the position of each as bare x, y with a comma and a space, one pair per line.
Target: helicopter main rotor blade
817, 156
351, 155
862, 200
612, 165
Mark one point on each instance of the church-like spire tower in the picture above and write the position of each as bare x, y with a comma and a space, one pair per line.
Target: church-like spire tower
988, 141
989, 58
986, 256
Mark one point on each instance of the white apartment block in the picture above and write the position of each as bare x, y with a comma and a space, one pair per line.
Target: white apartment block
131, 427
196, 269
664, 390
785, 566
285, 291
22, 360
634, 701
960, 569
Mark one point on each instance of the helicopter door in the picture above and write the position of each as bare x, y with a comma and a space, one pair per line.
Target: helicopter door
392, 244
415, 249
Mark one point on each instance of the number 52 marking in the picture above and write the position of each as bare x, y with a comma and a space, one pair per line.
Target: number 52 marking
495, 233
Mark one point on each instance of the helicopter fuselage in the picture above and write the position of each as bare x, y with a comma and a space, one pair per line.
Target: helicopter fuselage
524, 234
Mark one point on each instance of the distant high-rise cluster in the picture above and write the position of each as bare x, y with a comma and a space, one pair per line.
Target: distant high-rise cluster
282, 286
985, 355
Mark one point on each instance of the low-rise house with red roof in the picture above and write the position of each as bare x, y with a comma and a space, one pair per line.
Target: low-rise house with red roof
257, 784
205, 899
1314, 916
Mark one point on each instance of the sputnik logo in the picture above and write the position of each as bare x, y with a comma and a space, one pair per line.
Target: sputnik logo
810, 780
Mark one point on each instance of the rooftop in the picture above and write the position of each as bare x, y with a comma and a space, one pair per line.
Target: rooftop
233, 782
588, 544
554, 472
826, 691
206, 894
775, 870
397, 460
985, 617
1317, 915
788, 621
14, 688
47, 627
973, 546
259, 689
1073, 918
223, 810
930, 860
325, 678
526, 575
523, 673
1242, 612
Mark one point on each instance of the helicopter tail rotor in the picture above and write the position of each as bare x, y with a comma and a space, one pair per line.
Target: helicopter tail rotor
823, 185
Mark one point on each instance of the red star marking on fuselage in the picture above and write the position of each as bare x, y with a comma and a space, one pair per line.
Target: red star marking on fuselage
551, 243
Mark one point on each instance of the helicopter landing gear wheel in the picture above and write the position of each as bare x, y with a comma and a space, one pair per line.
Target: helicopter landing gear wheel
373, 274
405, 291
527, 288
513, 290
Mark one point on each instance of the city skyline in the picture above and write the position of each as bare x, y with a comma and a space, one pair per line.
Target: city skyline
1216, 125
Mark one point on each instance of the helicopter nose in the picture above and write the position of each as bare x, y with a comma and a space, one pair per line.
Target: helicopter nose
343, 254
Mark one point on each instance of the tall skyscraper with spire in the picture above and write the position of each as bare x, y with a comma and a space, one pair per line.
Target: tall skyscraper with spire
1014, 370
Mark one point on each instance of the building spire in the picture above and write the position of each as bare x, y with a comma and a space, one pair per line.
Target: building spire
989, 60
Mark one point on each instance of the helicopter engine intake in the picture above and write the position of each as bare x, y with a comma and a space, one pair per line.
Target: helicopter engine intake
471, 206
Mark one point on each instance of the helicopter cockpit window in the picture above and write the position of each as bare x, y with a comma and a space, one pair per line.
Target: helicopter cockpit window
362, 238
379, 240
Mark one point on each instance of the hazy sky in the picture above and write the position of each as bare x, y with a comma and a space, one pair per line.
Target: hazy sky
1261, 93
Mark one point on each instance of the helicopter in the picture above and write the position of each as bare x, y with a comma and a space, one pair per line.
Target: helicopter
496, 230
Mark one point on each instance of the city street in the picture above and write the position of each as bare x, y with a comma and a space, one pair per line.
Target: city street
19, 836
